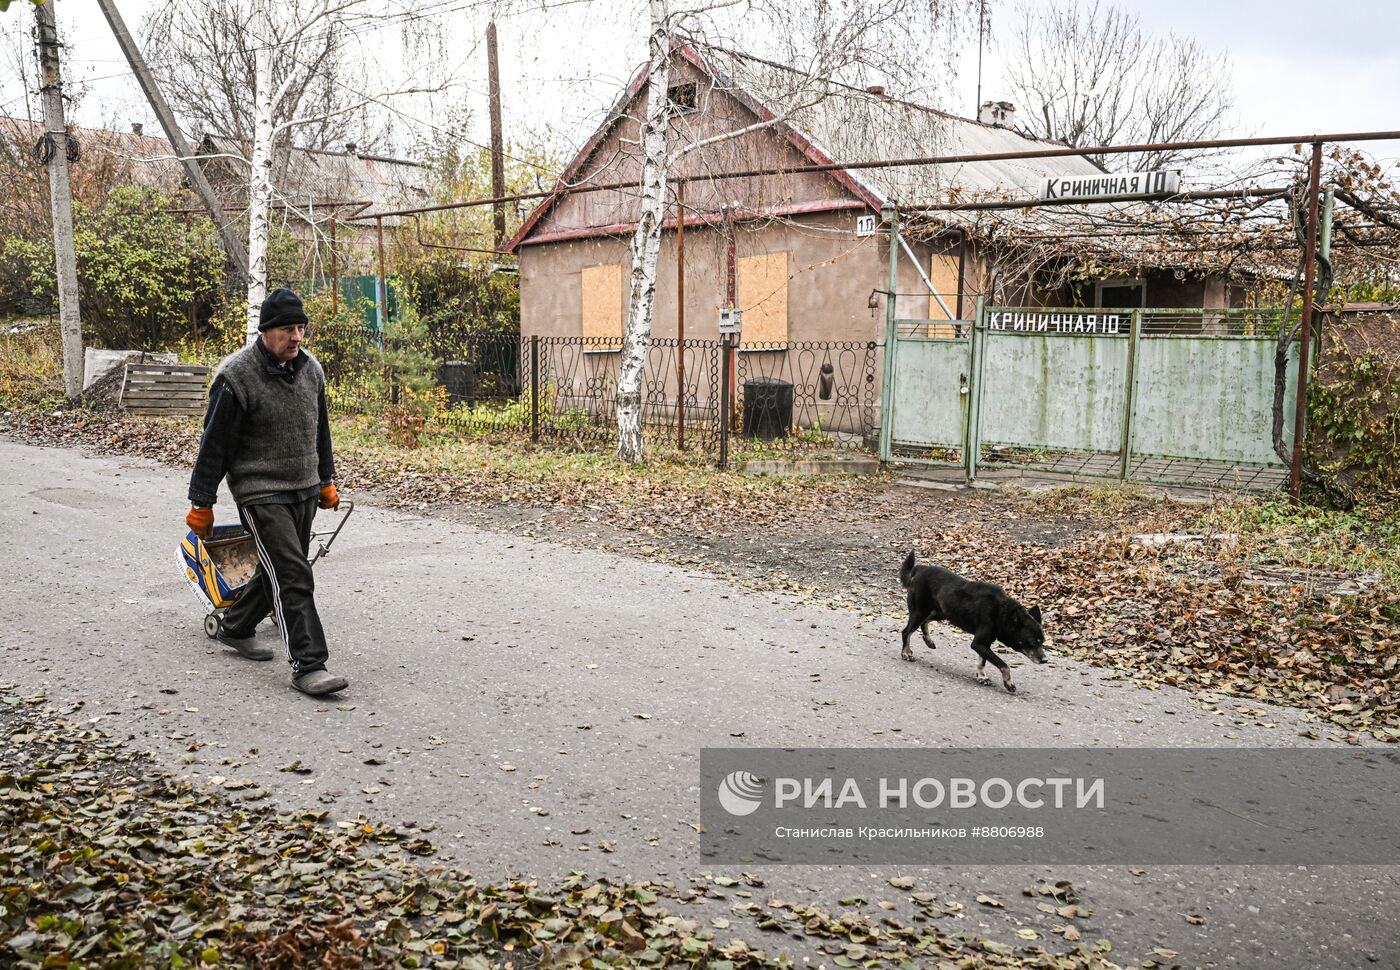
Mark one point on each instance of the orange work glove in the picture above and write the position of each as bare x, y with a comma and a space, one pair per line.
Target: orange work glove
201, 522
330, 498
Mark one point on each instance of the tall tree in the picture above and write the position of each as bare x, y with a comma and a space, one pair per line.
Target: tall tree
274, 72
1091, 75
825, 44
206, 53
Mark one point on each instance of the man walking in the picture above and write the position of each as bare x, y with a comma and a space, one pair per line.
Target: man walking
268, 431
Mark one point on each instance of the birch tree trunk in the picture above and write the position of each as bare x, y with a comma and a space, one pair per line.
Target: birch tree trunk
646, 243
260, 177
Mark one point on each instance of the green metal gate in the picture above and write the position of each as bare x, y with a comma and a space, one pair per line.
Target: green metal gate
1152, 395
933, 366
360, 295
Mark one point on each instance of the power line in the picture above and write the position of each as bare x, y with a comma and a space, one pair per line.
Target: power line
173, 60
375, 100
368, 26
407, 16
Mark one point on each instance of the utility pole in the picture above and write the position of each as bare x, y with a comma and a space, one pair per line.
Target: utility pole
54, 148
498, 173
228, 237
981, 40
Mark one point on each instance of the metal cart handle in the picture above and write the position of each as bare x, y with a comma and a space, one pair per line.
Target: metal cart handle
323, 548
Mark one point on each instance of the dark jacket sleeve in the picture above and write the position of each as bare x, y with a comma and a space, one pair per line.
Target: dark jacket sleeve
222, 424
326, 464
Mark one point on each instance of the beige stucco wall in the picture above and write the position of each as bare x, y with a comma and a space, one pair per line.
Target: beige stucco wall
831, 273
811, 218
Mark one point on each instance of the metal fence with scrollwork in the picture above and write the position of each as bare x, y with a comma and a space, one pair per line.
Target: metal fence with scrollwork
565, 388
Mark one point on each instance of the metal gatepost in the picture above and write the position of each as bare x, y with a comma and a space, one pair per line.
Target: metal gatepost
891, 216
1129, 396
972, 447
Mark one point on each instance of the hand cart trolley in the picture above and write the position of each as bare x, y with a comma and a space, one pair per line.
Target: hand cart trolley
219, 568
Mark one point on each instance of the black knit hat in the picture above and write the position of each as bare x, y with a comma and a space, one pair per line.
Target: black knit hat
282, 308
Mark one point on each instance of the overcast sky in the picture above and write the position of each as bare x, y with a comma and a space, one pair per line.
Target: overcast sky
1299, 67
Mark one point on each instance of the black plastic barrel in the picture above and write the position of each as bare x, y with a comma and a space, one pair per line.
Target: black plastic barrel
767, 408
459, 378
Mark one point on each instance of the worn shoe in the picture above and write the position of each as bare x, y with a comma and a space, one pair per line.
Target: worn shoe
319, 682
246, 646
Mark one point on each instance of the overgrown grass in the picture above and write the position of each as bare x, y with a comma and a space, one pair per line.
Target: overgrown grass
514, 458
31, 364
803, 445
1272, 530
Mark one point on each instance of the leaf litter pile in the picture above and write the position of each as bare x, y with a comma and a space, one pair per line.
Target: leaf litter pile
110, 862
1155, 589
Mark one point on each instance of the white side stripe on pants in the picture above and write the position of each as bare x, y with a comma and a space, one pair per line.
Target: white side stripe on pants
266, 561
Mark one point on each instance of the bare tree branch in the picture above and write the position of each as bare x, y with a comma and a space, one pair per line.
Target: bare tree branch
204, 54
1090, 75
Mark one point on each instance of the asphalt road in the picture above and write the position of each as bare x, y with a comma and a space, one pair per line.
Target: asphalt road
471, 653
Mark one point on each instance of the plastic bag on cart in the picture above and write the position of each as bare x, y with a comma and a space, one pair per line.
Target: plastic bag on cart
218, 568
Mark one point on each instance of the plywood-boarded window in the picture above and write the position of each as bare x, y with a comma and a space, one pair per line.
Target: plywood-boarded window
763, 296
600, 295
943, 274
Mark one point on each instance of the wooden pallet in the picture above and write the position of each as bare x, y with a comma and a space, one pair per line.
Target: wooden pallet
168, 390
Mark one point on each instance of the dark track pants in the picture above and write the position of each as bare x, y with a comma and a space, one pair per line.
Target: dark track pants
282, 584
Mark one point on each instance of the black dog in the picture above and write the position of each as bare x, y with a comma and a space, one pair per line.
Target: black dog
982, 609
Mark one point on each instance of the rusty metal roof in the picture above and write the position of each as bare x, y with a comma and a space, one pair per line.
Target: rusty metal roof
143, 160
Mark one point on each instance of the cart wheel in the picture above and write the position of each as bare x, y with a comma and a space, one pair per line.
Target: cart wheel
211, 625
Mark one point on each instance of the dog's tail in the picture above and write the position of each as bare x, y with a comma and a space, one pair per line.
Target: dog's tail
906, 571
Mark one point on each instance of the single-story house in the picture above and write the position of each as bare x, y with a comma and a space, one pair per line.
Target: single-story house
810, 263
104, 157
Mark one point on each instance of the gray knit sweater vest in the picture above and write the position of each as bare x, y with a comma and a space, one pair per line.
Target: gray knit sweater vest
276, 451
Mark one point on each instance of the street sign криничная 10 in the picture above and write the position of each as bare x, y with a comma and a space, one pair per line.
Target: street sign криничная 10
1100, 186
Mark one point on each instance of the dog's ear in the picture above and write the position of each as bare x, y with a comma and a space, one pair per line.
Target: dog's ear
1035, 613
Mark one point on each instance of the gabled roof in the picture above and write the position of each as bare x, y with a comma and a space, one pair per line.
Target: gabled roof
832, 123
851, 124
148, 160
315, 175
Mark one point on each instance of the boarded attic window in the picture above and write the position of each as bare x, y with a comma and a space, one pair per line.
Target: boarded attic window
681, 97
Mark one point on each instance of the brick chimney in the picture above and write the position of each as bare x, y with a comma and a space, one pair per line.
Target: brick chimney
998, 114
